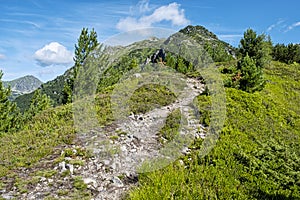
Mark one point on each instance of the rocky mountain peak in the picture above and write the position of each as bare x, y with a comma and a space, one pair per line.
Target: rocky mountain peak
198, 31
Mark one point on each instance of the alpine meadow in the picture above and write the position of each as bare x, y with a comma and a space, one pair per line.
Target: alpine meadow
186, 116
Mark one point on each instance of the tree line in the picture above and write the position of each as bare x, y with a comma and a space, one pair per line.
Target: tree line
286, 53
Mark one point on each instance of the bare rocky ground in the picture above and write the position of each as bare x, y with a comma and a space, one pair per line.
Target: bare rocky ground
116, 154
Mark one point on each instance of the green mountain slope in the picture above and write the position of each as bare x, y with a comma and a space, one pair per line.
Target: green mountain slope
257, 155
219, 50
53, 89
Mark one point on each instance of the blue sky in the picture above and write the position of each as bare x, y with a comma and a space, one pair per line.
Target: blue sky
38, 36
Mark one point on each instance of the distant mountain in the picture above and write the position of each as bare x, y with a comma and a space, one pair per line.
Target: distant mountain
53, 89
23, 85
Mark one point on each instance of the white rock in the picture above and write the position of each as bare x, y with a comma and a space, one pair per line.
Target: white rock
117, 182
68, 158
62, 165
70, 167
106, 162
123, 148
90, 181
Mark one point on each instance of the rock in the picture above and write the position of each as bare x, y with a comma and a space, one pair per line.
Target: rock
117, 182
70, 167
90, 181
62, 165
138, 75
114, 166
185, 150
181, 162
98, 166
68, 158
106, 162
43, 179
132, 150
74, 151
7, 196
123, 148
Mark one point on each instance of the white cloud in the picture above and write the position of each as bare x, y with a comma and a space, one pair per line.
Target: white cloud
271, 27
2, 56
53, 54
144, 6
293, 26
171, 12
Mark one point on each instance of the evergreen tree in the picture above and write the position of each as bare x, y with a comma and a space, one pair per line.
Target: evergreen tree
279, 52
170, 61
293, 54
255, 51
256, 47
251, 75
180, 65
39, 102
286, 53
9, 114
87, 42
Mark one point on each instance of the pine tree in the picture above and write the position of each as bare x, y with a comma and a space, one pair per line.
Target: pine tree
181, 66
256, 47
251, 75
87, 42
39, 102
9, 114
255, 51
170, 61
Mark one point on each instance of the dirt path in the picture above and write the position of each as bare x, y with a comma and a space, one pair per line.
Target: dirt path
137, 140
118, 152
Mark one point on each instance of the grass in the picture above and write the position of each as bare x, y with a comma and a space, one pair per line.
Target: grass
172, 124
38, 139
149, 97
79, 183
256, 157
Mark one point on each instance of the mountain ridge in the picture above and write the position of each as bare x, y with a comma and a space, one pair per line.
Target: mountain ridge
22, 85
216, 48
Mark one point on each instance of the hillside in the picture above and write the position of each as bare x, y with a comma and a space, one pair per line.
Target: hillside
153, 132
23, 85
259, 144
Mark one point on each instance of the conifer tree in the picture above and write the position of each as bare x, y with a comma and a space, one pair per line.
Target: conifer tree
256, 47
171, 62
9, 115
252, 76
87, 42
181, 66
255, 51
39, 102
